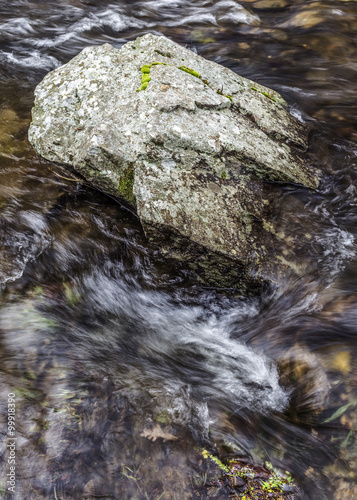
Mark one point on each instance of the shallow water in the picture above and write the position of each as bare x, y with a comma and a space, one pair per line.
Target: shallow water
123, 366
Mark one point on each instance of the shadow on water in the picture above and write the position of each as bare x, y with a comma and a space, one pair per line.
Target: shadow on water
123, 366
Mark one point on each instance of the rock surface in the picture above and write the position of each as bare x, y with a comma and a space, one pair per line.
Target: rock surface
188, 143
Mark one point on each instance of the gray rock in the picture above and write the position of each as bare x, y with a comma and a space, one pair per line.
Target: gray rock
188, 143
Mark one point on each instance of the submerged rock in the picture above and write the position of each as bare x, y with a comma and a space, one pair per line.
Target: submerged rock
191, 145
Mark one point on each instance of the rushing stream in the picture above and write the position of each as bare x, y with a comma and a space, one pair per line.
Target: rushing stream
123, 366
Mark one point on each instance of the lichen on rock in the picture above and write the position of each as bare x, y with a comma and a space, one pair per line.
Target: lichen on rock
191, 145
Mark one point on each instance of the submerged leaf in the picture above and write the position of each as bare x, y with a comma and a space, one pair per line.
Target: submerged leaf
158, 432
339, 412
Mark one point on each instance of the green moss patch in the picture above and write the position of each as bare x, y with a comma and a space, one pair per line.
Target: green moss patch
145, 75
126, 184
190, 71
145, 78
254, 482
269, 96
145, 70
165, 54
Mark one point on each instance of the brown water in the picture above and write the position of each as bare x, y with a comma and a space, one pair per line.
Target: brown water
123, 367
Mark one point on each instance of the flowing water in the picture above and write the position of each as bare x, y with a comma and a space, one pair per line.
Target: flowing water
124, 367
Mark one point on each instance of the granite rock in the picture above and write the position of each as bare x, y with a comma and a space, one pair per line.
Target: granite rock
193, 147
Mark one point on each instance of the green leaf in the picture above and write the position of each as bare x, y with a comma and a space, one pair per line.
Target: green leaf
339, 412
346, 440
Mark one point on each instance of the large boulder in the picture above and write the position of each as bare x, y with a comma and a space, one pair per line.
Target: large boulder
191, 145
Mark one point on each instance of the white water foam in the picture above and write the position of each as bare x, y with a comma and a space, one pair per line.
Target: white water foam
339, 248
184, 345
34, 59
21, 246
14, 27
67, 23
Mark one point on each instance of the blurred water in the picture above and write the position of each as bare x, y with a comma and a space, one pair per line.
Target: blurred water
123, 366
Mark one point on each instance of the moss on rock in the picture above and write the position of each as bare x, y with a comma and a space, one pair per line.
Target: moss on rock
190, 71
145, 78
126, 184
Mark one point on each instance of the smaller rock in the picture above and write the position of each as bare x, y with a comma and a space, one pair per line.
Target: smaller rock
288, 488
302, 371
239, 483
271, 4
304, 19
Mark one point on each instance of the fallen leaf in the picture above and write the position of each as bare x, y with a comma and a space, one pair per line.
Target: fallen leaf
156, 433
